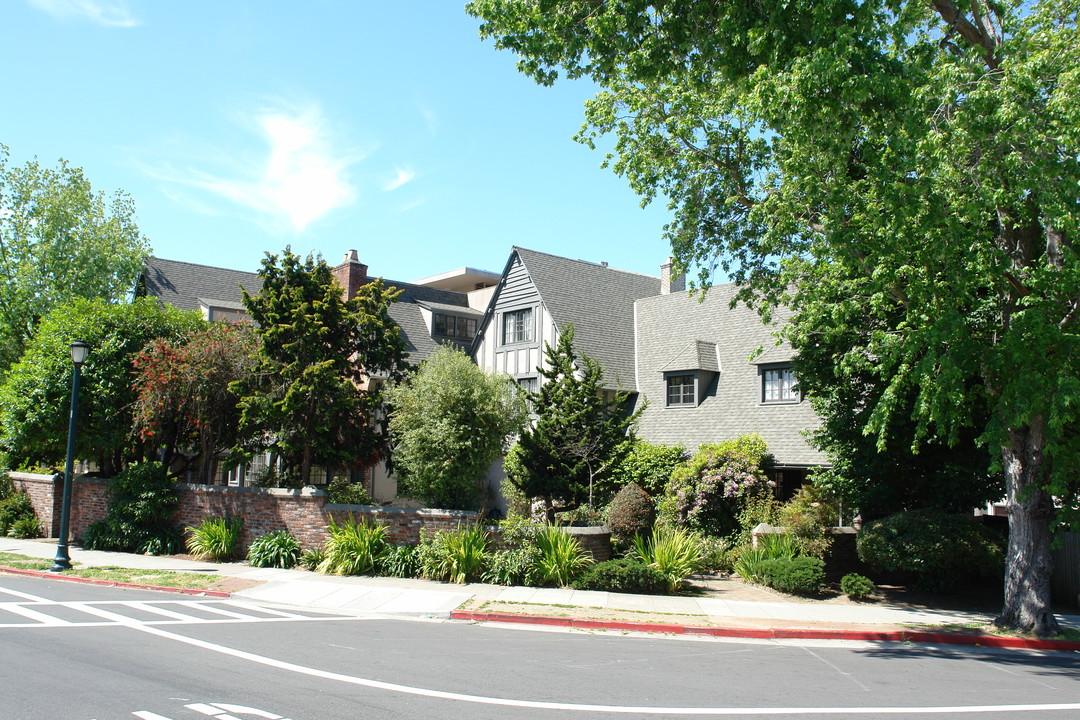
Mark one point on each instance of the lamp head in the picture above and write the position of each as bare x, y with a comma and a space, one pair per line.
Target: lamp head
79, 351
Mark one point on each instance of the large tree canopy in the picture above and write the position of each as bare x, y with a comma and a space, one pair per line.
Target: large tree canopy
309, 399
913, 163
59, 240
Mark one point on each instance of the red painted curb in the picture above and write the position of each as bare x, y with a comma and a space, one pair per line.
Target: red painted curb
937, 638
115, 583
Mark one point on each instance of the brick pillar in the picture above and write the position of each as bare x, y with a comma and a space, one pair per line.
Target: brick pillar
351, 274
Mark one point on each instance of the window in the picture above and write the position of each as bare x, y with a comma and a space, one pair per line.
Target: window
681, 390
778, 385
451, 326
529, 384
517, 326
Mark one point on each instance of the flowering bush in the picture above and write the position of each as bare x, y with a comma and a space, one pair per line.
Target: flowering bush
707, 491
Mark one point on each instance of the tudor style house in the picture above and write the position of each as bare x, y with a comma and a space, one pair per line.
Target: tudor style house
702, 370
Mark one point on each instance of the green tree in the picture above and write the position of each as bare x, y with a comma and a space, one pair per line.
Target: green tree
917, 162
449, 422
36, 394
311, 399
59, 240
184, 395
580, 434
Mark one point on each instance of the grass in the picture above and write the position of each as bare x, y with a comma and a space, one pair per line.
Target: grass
164, 578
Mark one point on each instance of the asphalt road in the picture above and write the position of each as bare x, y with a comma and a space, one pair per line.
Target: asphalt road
80, 652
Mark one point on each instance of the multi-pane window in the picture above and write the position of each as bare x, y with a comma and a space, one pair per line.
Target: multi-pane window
451, 326
681, 390
517, 326
778, 385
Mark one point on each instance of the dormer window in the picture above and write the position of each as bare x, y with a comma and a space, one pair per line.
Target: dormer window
453, 327
682, 390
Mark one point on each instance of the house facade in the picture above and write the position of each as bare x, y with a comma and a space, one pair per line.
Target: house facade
701, 370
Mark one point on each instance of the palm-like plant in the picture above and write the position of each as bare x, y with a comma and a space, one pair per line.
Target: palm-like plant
466, 553
673, 551
215, 539
353, 548
561, 556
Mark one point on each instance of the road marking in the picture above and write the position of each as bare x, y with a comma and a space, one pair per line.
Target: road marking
585, 707
171, 612
218, 711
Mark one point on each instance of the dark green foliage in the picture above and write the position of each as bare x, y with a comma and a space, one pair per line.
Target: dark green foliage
630, 514
14, 507
216, 539
401, 561
856, 586
35, 397
276, 549
341, 491
516, 566
579, 435
801, 575
27, 527
308, 399
650, 465
139, 507
167, 540
623, 575
938, 549
313, 558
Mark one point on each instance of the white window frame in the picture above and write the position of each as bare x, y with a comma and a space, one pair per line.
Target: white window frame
779, 385
523, 330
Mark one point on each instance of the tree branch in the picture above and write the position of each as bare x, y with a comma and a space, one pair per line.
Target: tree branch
968, 30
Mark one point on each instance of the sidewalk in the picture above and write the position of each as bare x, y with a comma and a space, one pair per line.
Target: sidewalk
725, 608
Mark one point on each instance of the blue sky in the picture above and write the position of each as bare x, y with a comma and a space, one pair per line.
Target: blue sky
243, 126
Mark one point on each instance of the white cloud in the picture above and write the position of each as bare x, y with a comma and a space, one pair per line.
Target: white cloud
112, 13
404, 175
430, 119
302, 177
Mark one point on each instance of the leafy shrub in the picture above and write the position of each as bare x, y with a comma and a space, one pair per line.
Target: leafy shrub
14, 507
706, 492
938, 549
856, 586
516, 566
433, 556
717, 554
276, 550
162, 541
673, 551
401, 561
809, 516
466, 553
649, 465
27, 527
139, 507
749, 561
802, 575
342, 492
561, 556
215, 539
631, 514
353, 548
313, 558
623, 575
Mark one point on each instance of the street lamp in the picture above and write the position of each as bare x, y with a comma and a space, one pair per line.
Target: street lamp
62, 561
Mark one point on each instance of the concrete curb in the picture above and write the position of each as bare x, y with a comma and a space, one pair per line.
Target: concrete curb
115, 583
913, 636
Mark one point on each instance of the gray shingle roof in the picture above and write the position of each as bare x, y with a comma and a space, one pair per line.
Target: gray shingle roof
599, 301
407, 314
183, 284
697, 355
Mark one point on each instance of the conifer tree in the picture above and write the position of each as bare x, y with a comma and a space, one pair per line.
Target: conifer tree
579, 435
309, 400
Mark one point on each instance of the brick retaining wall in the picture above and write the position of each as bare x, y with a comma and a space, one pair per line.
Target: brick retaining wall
304, 513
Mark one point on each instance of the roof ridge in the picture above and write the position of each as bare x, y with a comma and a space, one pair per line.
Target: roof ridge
584, 262
200, 265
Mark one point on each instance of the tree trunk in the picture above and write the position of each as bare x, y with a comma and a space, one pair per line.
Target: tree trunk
1028, 562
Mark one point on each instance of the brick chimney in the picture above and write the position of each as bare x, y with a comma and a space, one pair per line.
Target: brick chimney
669, 284
351, 274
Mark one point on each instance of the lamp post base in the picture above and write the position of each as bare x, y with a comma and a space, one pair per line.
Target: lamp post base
62, 561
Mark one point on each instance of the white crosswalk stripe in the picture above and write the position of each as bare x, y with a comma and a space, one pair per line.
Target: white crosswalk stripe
29, 611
